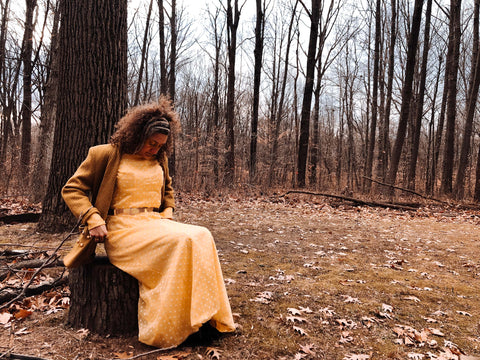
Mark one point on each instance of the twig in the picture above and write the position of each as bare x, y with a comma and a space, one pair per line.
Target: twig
145, 354
407, 190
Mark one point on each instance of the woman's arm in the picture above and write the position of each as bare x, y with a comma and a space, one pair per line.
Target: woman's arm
77, 192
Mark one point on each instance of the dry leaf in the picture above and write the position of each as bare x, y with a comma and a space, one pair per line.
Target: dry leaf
5, 318
415, 356
307, 349
300, 356
356, 357
413, 298
297, 319
22, 314
300, 331
436, 332
213, 353
294, 311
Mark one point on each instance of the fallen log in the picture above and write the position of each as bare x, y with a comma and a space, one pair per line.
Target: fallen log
9, 294
29, 264
20, 218
354, 200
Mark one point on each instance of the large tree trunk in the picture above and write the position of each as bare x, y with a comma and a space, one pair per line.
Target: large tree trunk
103, 299
451, 84
307, 95
406, 93
91, 93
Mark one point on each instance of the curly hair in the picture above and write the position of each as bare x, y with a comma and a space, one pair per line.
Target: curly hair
135, 127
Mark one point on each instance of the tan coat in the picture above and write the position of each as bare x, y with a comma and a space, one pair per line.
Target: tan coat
90, 189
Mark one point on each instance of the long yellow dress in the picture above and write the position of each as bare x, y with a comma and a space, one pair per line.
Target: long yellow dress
180, 279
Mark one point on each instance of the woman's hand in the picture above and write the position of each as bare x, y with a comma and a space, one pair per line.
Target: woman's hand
99, 233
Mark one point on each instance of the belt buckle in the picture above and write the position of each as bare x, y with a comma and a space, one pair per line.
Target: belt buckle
135, 211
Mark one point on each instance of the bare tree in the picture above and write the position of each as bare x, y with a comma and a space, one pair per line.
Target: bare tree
308, 92
374, 99
26, 111
406, 92
258, 54
451, 75
418, 114
472, 95
233, 18
47, 115
143, 56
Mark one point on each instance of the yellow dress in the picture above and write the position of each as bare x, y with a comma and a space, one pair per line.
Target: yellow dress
180, 280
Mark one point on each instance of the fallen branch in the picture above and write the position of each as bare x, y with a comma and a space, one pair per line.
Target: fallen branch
32, 290
53, 257
354, 200
20, 218
12, 356
29, 264
408, 190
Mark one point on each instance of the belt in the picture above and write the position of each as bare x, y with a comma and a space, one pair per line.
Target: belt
132, 211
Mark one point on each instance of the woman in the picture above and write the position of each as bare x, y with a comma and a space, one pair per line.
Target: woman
127, 181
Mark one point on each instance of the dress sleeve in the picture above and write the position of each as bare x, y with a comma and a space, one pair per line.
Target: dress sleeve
78, 189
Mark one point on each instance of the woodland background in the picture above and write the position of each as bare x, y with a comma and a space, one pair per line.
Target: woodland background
339, 96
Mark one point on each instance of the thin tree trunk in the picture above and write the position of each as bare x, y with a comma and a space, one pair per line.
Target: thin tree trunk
406, 93
47, 117
258, 54
373, 122
451, 78
307, 95
143, 57
233, 17
26, 111
163, 66
474, 84
420, 100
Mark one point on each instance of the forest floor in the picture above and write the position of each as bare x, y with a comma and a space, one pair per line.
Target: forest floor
307, 279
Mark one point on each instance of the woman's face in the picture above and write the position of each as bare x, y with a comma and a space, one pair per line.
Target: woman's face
152, 145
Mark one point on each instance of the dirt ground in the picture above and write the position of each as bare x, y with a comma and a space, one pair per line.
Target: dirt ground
307, 280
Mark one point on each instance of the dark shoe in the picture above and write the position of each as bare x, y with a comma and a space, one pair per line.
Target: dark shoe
204, 336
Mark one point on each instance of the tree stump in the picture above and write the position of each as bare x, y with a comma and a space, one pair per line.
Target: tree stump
103, 299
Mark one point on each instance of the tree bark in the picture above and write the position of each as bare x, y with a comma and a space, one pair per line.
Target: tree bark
91, 92
103, 299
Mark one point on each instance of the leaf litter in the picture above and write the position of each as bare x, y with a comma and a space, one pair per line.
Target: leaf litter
287, 265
